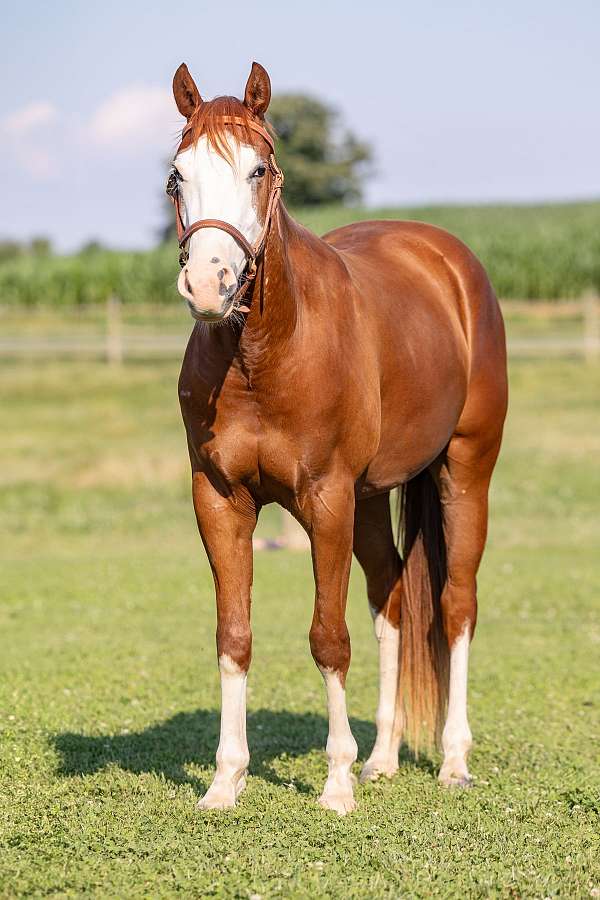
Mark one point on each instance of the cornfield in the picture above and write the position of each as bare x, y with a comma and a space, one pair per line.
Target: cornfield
530, 252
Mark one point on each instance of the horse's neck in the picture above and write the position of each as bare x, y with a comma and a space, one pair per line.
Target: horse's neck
275, 298
283, 287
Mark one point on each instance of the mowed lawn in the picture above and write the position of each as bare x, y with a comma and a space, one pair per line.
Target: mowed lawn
109, 694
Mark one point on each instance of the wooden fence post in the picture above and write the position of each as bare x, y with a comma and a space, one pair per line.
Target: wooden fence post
114, 331
591, 326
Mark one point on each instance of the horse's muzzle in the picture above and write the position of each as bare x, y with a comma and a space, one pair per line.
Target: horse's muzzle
210, 298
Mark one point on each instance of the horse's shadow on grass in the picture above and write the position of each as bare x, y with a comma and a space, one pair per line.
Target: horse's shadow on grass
167, 748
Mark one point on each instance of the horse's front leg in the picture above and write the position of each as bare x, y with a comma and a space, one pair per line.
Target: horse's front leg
331, 510
226, 526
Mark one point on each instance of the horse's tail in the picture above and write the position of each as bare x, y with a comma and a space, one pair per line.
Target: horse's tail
423, 683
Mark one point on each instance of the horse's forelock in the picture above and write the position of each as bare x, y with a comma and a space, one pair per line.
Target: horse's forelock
208, 121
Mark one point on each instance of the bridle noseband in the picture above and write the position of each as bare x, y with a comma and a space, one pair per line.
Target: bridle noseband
252, 251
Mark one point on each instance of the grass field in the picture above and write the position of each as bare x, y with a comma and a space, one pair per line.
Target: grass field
109, 691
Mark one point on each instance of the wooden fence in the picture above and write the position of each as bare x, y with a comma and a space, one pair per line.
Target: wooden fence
534, 327
581, 338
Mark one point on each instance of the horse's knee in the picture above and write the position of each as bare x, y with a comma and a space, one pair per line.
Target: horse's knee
330, 647
234, 640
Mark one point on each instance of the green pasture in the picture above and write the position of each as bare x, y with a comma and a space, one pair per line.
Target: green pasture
109, 692
539, 252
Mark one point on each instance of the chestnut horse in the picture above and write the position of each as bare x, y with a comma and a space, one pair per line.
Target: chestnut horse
343, 367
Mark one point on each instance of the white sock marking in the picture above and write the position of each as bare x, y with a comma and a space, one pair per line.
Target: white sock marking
384, 756
456, 738
341, 749
232, 753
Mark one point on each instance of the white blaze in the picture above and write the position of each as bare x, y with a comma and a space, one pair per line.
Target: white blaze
212, 188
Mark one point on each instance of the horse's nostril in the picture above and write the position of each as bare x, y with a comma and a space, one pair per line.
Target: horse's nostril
221, 274
187, 284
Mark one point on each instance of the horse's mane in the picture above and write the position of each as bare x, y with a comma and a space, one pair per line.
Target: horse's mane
208, 121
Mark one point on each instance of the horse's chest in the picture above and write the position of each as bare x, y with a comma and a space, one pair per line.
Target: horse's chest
240, 440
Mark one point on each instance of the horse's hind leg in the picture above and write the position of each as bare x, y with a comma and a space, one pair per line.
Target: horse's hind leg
463, 481
377, 554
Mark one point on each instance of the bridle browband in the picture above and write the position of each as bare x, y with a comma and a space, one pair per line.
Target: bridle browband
252, 251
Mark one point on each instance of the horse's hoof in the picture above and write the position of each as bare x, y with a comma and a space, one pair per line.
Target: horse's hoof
374, 769
217, 800
456, 781
338, 801
222, 796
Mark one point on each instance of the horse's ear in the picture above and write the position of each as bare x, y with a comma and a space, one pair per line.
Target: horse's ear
258, 91
187, 95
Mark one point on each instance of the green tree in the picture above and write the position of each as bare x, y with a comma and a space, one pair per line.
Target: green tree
41, 246
10, 250
37, 246
323, 162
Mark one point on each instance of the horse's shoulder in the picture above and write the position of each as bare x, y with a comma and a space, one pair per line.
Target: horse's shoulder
413, 246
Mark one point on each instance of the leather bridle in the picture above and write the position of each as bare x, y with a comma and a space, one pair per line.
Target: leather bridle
251, 251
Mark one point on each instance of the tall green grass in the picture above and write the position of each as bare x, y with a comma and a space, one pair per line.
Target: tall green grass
545, 252
88, 278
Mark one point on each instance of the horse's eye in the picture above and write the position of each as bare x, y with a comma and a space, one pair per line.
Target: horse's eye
173, 182
259, 172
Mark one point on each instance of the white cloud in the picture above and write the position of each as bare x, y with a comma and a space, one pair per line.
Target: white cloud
133, 114
28, 132
38, 162
26, 119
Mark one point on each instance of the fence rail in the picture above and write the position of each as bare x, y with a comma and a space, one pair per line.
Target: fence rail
118, 340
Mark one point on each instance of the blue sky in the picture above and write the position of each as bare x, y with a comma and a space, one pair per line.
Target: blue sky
462, 101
